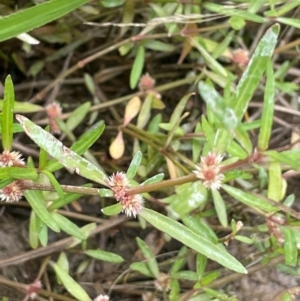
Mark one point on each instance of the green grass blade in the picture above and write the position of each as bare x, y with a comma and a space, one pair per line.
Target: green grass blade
192, 240
255, 69
268, 110
36, 16
137, 67
7, 115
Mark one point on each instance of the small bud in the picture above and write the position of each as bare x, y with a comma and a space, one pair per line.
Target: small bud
53, 110
163, 282
146, 83
240, 57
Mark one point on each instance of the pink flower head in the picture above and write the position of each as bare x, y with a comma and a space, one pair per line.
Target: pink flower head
8, 159
119, 184
209, 171
132, 204
240, 57
102, 298
53, 110
146, 83
12, 192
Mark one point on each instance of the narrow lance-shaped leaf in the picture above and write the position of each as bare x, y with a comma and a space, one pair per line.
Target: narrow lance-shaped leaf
249, 199
7, 115
38, 206
134, 165
255, 69
268, 110
192, 240
151, 261
220, 207
290, 247
70, 284
36, 16
275, 182
137, 67
79, 146
64, 155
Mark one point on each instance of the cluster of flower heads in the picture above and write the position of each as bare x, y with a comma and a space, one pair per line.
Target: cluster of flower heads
119, 184
209, 171
14, 190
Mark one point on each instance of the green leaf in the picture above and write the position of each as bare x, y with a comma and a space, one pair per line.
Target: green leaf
200, 227
290, 247
54, 182
24, 107
33, 230
237, 22
113, 209
26, 173
197, 142
220, 207
244, 239
249, 199
134, 165
66, 199
209, 132
201, 262
112, 3
191, 239
180, 260
148, 254
105, 256
142, 268
189, 196
38, 206
137, 67
155, 179
159, 46
212, 63
105, 193
70, 284
283, 158
216, 103
289, 21
275, 182
267, 111
36, 16
80, 146
16, 128
64, 155
8, 110
67, 226
77, 116
253, 74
